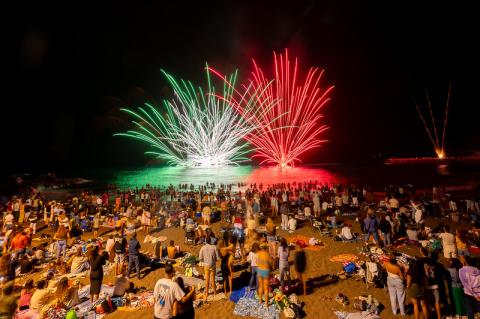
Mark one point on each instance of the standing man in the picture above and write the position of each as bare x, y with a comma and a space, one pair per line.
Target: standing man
208, 257
166, 293
371, 227
133, 251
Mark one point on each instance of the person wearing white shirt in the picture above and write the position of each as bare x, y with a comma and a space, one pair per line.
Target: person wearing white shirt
292, 224
346, 233
324, 206
453, 206
418, 213
394, 204
166, 293
355, 201
252, 258
308, 212
8, 221
448, 243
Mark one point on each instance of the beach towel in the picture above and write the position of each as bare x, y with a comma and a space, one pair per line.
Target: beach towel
356, 315
247, 307
305, 242
344, 258
237, 294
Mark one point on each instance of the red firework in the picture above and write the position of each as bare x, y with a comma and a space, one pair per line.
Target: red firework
289, 123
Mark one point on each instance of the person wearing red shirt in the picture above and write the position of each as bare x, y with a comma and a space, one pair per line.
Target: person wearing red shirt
19, 244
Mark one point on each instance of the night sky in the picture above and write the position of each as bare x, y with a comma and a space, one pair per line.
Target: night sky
74, 67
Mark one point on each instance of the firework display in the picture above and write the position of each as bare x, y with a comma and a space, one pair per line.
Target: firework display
431, 128
290, 124
195, 128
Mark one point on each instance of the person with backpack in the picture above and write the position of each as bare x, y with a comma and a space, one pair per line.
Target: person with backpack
120, 248
371, 227
470, 278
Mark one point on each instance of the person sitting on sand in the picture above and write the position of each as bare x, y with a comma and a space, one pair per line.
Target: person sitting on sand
172, 250
346, 233
26, 264
271, 229
78, 263
26, 295
121, 285
66, 294
292, 224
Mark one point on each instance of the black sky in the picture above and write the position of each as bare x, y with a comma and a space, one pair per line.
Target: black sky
74, 66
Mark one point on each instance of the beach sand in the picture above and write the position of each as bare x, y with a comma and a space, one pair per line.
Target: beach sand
319, 303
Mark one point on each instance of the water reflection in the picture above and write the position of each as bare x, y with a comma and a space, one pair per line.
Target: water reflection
443, 169
164, 176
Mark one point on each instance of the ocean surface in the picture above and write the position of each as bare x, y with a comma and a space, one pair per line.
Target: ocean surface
377, 176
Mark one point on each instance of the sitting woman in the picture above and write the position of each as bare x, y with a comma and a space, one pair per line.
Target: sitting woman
66, 294
121, 285
26, 295
201, 233
78, 263
40, 296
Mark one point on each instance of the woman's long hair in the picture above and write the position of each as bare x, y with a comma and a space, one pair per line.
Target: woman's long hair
93, 254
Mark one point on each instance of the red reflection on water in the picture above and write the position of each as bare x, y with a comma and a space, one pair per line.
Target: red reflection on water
274, 175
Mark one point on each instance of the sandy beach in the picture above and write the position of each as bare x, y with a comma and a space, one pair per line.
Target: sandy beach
319, 303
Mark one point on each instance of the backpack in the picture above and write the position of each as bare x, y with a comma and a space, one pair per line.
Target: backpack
119, 248
299, 312
350, 268
106, 306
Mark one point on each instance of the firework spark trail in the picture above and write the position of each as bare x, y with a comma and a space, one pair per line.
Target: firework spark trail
427, 129
446, 116
196, 128
432, 132
289, 125
432, 118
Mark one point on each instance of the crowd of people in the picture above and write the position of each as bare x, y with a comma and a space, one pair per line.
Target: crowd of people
251, 220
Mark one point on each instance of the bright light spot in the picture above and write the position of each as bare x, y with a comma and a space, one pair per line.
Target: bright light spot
440, 154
